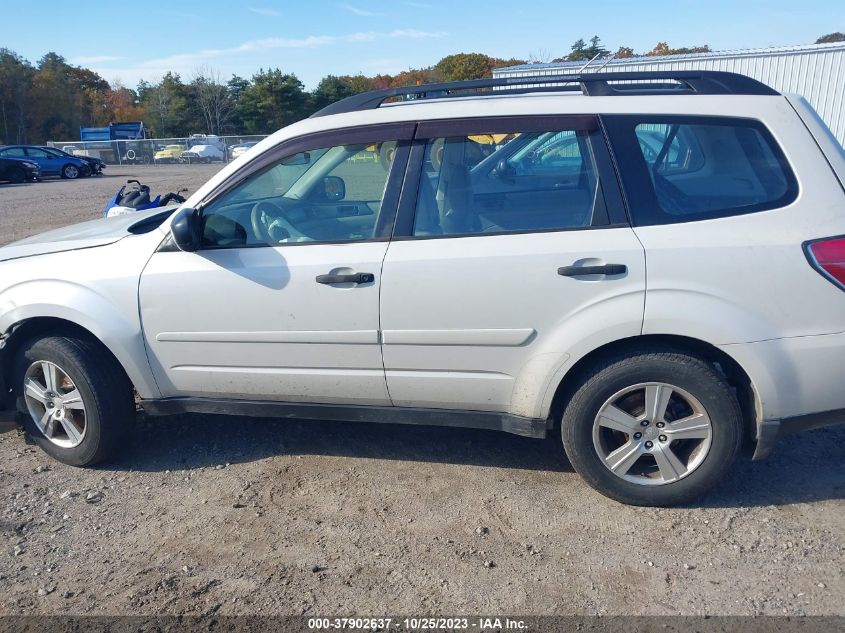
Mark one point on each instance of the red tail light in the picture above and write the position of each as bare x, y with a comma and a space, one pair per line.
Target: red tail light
828, 257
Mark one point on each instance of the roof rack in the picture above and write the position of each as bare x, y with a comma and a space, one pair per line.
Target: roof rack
595, 84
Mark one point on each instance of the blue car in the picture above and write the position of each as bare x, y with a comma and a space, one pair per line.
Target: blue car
50, 164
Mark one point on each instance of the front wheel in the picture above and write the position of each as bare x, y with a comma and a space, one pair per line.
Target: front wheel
70, 172
76, 401
656, 428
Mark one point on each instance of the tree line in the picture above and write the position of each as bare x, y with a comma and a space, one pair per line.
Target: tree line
52, 99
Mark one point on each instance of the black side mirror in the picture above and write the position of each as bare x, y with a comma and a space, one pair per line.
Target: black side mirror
334, 188
185, 229
505, 170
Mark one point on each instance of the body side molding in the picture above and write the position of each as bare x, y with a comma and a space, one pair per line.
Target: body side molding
509, 423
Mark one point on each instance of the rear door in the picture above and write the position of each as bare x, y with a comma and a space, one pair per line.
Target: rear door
499, 250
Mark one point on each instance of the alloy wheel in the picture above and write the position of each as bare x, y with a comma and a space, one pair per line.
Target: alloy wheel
55, 404
652, 433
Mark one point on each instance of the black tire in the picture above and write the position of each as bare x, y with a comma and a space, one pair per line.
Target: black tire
106, 393
689, 373
71, 172
16, 175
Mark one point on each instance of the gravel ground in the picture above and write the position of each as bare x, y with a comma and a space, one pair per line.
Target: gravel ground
31, 208
209, 515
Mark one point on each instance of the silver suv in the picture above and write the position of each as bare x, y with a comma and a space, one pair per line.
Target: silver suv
650, 266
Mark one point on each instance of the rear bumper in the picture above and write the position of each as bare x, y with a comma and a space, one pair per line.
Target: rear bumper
773, 430
791, 377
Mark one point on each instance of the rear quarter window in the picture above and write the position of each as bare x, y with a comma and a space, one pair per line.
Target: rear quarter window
682, 169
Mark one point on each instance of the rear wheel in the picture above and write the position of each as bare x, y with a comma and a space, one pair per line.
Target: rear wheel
653, 428
70, 171
75, 399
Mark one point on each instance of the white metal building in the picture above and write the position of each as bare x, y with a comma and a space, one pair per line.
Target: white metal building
815, 71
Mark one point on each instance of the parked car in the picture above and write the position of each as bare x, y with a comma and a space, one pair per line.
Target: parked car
206, 139
50, 163
202, 154
240, 150
169, 154
500, 287
18, 170
95, 165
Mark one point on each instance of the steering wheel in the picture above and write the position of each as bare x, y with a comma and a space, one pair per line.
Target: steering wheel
268, 221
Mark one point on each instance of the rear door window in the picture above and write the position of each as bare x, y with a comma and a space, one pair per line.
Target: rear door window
680, 169
514, 181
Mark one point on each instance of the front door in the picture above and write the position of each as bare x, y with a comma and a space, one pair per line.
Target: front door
50, 164
512, 243
281, 301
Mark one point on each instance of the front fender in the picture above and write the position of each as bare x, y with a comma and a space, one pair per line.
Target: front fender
119, 330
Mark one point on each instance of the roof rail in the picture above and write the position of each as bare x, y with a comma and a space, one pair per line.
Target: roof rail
594, 84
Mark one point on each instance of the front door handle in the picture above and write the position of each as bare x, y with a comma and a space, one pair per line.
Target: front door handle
606, 269
352, 278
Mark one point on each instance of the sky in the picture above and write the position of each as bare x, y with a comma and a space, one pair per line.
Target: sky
130, 40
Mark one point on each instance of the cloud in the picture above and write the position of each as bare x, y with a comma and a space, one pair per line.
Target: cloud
359, 11
270, 13
185, 64
93, 59
419, 5
270, 43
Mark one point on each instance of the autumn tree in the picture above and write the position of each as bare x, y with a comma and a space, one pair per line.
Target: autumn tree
831, 37
662, 48
464, 66
624, 52
414, 77
123, 104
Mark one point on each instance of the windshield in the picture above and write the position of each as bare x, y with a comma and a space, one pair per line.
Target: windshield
279, 180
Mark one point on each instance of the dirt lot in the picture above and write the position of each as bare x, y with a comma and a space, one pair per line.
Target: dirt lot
31, 208
239, 516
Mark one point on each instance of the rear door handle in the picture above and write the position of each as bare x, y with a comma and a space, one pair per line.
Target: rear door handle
352, 278
606, 269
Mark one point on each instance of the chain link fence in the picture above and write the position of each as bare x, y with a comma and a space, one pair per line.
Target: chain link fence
197, 148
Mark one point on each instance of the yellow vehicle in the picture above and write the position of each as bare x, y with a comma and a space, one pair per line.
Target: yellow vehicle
169, 154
